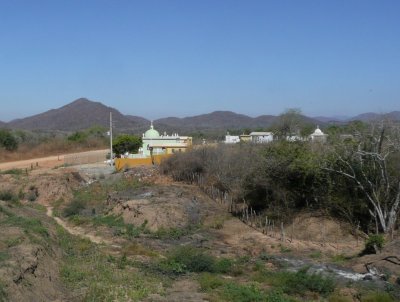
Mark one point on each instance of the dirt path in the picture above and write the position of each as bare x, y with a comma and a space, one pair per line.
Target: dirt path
77, 231
45, 162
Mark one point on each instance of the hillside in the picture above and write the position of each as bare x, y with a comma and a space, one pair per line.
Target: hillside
83, 113
79, 114
371, 116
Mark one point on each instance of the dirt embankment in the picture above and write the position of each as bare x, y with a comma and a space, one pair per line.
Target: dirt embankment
163, 207
29, 256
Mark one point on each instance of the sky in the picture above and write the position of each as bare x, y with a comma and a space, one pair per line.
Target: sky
182, 58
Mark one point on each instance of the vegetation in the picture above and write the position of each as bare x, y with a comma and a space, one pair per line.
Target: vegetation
21, 144
104, 278
373, 244
8, 140
126, 143
8, 196
355, 177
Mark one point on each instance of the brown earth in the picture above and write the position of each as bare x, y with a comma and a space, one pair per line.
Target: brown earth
44, 162
158, 204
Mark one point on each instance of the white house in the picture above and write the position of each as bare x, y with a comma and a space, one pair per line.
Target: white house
261, 137
231, 139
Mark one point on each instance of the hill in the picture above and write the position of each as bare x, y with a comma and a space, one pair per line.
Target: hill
371, 116
83, 113
79, 114
221, 121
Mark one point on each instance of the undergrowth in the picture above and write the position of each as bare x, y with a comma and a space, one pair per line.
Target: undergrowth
100, 277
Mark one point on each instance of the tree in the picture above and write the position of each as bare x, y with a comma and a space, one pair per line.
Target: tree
7, 140
127, 143
288, 123
369, 162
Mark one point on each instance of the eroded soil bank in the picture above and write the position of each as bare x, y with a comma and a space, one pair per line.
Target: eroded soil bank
85, 234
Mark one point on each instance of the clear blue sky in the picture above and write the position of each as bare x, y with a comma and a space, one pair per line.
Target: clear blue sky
181, 58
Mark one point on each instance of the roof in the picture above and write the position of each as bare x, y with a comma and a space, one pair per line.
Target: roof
151, 133
261, 133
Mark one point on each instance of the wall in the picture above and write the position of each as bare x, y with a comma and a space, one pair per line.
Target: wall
123, 163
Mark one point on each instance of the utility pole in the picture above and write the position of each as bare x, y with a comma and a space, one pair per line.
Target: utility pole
111, 137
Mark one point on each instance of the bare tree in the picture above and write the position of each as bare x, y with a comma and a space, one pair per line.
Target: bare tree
369, 161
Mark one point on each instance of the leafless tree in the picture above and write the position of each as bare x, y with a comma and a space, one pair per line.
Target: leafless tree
370, 162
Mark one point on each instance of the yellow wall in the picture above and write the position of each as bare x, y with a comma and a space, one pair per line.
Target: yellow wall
176, 150
123, 163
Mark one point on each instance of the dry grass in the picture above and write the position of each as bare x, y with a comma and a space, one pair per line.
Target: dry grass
53, 147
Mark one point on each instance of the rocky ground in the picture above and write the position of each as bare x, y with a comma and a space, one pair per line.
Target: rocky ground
117, 245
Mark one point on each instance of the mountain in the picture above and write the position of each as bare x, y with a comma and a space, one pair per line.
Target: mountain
79, 114
371, 116
83, 113
331, 119
215, 120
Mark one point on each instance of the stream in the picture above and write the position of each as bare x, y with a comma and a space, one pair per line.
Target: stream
340, 274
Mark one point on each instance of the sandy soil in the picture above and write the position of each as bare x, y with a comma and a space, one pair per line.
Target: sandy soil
43, 162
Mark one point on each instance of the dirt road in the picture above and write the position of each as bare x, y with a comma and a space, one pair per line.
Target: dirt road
49, 161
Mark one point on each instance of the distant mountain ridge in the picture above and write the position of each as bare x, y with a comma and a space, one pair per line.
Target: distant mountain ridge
83, 113
371, 116
79, 114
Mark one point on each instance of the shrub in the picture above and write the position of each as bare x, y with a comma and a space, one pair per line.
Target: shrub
185, 259
300, 282
223, 265
377, 297
8, 196
373, 242
8, 140
243, 293
209, 281
78, 137
74, 208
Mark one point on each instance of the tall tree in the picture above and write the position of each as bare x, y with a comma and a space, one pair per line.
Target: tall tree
369, 162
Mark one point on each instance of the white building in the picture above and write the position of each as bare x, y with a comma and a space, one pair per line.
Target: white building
318, 136
261, 137
231, 139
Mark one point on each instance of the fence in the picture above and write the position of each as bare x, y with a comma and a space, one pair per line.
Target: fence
269, 227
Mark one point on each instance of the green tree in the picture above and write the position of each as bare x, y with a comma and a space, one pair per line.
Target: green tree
127, 143
78, 136
7, 140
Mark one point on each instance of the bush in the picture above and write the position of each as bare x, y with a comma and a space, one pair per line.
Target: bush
243, 293
373, 242
209, 281
8, 196
185, 259
223, 266
78, 137
7, 140
74, 208
300, 282
377, 297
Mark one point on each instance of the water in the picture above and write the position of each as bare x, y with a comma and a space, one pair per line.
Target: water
329, 270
